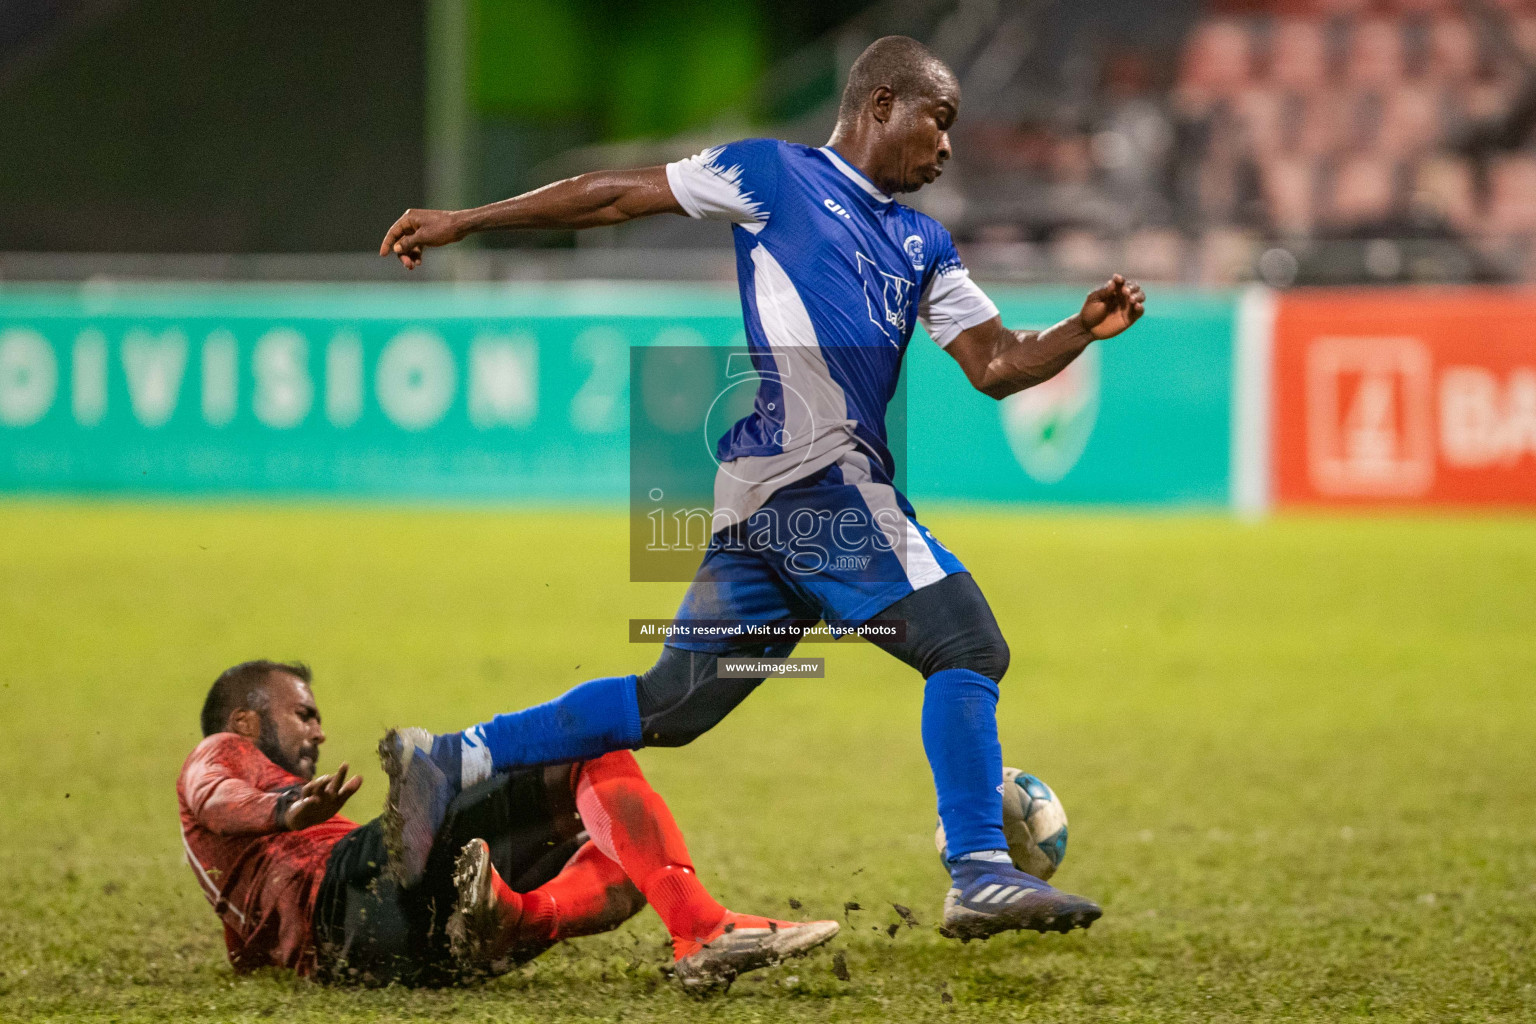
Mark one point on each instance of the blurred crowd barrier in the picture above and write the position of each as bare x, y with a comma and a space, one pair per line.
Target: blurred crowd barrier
1237, 399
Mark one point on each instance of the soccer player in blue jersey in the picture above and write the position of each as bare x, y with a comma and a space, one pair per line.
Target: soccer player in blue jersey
834, 274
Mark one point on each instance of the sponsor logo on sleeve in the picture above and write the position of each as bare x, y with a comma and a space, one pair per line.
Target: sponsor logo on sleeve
836, 208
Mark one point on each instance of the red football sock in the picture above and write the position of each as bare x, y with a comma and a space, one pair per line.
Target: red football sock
591, 894
525, 917
629, 822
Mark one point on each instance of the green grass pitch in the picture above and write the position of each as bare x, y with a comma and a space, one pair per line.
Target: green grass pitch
1298, 759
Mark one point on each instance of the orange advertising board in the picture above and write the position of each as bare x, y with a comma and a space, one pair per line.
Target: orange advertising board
1404, 397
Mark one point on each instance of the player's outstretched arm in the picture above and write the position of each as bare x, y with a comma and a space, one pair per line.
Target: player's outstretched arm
592, 200
1000, 362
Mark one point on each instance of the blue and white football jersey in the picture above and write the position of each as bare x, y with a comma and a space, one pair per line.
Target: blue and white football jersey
834, 276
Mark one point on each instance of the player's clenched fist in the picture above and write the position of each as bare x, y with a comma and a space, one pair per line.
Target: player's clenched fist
1113, 308
417, 230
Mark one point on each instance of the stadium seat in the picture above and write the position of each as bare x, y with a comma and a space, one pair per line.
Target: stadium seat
1217, 58
1485, 98
1082, 255
1298, 55
1364, 114
1421, 7
1363, 191
997, 234
1375, 53
1512, 195
1524, 32
1071, 160
1264, 116
1340, 8
1341, 114
1300, 116
1288, 184
1328, 122
1227, 255
1451, 51
1156, 254
1010, 260
1410, 120
1444, 190
1219, 193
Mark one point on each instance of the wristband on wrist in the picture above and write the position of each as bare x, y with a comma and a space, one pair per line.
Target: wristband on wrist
285, 800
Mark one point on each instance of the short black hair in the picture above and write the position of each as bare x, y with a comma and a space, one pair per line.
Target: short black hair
244, 688
901, 62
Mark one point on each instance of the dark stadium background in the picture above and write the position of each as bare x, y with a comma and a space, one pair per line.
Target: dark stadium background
1093, 133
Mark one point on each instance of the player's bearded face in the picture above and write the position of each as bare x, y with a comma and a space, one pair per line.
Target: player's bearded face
290, 728
296, 755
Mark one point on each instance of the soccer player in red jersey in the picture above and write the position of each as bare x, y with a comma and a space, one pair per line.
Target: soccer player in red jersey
520, 860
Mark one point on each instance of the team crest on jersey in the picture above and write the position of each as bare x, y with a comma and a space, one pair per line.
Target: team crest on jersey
914, 249
889, 297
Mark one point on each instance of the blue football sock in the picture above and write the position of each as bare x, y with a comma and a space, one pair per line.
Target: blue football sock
599, 716
960, 738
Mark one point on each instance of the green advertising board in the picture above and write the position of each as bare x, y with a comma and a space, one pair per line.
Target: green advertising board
510, 392
522, 393
1144, 418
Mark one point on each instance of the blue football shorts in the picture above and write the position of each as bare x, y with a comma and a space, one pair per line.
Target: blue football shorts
822, 548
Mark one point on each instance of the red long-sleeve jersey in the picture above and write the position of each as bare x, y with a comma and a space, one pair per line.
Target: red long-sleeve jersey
261, 879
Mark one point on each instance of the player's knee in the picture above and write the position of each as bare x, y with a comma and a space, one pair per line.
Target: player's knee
663, 734
696, 714
991, 660
981, 650
665, 684
682, 697
666, 719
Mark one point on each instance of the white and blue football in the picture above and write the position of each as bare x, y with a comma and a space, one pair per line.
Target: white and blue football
1034, 823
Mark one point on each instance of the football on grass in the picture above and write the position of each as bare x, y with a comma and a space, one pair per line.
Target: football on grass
1034, 823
